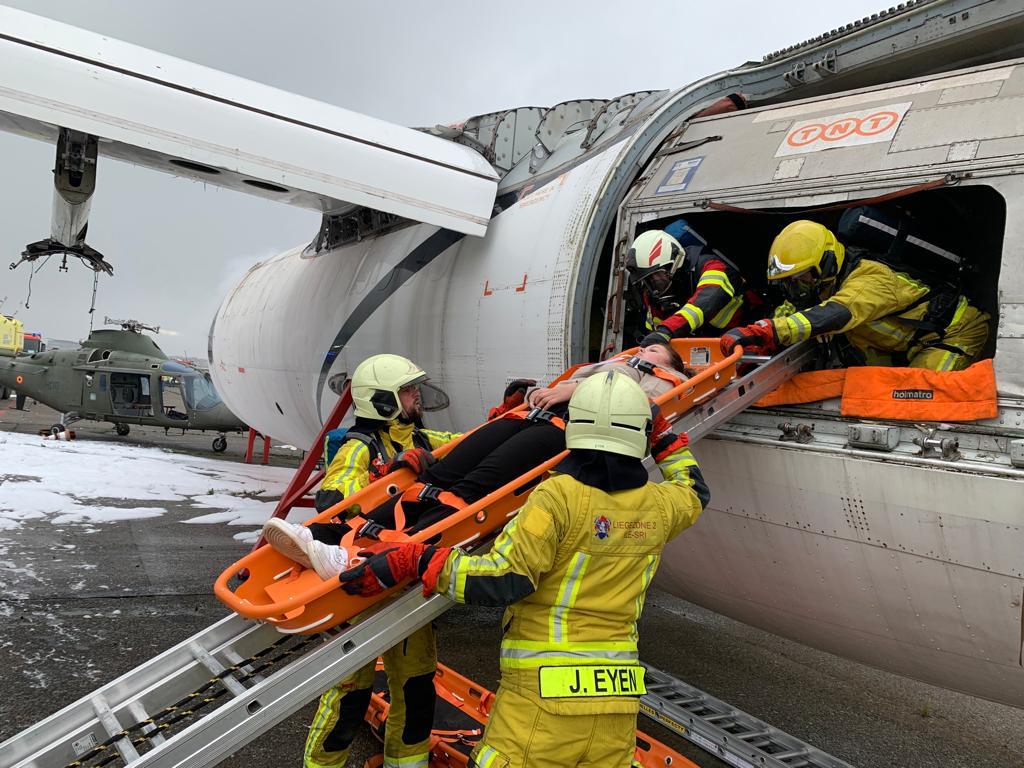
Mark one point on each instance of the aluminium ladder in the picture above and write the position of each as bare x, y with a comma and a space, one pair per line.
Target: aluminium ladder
205, 698
728, 733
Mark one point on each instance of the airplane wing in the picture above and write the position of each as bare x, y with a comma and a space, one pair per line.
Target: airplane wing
161, 112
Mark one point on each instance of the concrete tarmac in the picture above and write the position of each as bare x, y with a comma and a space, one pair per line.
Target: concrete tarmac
75, 618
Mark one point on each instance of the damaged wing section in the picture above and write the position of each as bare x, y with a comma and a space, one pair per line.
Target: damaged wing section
161, 112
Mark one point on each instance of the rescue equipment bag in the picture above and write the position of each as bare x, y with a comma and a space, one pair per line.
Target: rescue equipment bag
898, 394
917, 394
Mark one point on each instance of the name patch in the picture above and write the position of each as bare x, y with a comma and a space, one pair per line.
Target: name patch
913, 394
591, 680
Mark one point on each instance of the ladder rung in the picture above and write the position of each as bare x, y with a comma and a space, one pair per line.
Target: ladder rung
790, 755
749, 737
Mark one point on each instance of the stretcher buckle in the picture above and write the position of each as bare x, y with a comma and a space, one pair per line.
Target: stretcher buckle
429, 493
539, 414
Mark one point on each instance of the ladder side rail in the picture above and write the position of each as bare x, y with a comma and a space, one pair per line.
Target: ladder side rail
746, 390
677, 706
242, 719
152, 685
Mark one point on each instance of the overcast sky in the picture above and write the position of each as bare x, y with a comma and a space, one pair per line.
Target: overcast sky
178, 246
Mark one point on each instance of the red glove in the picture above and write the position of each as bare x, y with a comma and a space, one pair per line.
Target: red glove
416, 459
665, 442
515, 395
756, 339
388, 565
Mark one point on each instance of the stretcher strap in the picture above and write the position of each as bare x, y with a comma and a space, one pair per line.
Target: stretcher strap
536, 414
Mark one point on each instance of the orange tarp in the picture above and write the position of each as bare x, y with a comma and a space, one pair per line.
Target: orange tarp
904, 394
807, 388
914, 394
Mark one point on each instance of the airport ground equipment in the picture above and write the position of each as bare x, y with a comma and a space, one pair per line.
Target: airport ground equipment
729, 734
208, 696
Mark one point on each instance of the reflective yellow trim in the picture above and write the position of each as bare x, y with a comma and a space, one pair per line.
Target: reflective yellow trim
716, 277
648, 575
485, 756
567, 592
798, 325
693, 315
318, 729
727, 313
349, 472
896, 332
412, 761
527, 654
961, 307
591, 680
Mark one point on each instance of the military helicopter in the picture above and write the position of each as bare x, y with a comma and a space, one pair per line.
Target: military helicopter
123, 377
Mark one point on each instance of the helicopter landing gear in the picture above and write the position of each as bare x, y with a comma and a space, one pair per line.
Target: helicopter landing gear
220, 444
57, 428
122, 429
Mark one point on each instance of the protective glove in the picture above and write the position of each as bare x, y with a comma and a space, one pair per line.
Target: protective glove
785, 309
756, 339
324, 500
664, 442
515, 395
388, 565
418, 460
660, 335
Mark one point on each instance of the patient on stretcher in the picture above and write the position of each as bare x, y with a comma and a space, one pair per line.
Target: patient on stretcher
482, 462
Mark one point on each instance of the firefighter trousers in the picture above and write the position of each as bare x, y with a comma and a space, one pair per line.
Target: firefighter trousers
410, 668
520, 734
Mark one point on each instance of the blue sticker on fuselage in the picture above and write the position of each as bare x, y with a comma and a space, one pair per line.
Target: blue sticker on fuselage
679, 175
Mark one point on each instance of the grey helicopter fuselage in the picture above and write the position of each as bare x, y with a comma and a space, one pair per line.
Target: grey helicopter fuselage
120, 377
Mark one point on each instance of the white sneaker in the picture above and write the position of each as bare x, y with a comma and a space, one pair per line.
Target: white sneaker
289, 539
328, 560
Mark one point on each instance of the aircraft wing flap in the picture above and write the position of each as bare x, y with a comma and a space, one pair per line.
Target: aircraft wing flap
182, 118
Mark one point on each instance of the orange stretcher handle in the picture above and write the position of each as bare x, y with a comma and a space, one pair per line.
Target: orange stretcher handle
479, 519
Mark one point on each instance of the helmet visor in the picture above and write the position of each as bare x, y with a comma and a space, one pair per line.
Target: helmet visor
657, 282
433, 397
803, 290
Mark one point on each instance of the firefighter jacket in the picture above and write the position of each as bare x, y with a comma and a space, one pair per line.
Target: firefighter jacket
715, 298
883, 312
361, 459
573, 568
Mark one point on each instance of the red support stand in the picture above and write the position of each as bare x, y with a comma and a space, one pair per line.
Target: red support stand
307, 476
249, 448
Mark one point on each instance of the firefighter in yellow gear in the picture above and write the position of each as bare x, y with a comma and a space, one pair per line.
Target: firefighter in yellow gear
388, 410
573, 568
887, 317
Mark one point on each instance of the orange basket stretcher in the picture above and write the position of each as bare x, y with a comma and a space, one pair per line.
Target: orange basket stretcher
297, 601
462, 711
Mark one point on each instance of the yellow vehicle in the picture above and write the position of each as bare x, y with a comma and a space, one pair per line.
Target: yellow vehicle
12, 336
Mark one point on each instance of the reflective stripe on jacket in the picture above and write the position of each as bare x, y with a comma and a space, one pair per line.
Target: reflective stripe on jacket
871, 306
575, 565
714, 302
349, 471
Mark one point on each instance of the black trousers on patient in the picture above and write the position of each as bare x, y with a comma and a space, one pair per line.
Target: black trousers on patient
484, 461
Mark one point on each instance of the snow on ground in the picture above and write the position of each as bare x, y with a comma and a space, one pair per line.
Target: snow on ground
88, 482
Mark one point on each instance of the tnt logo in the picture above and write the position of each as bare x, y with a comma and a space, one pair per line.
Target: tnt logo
602, 525
848, 129
843, 128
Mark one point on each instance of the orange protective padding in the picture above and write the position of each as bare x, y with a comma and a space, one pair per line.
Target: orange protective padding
298, 601
916, 394
806, 388
476, 702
